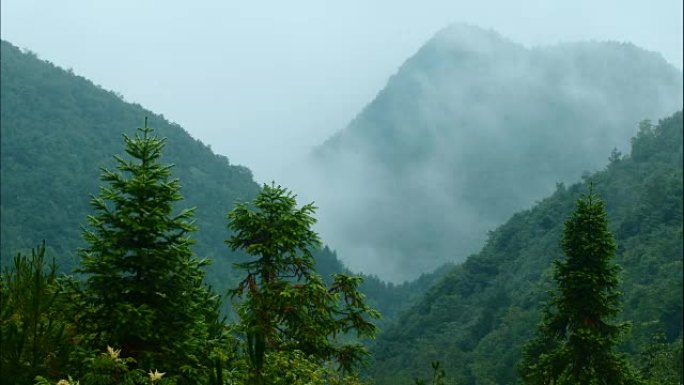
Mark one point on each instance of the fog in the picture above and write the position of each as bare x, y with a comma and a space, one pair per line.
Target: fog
263, 82
471, 129
266, 83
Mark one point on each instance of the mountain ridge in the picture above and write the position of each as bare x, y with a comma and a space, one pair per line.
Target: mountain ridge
451, 126
58, 129
477, 317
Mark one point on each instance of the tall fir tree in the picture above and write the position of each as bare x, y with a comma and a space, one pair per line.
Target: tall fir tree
286, 306
143, 286
575, 343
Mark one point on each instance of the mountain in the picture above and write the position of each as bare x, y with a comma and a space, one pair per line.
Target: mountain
470, 129
477, 317
58, 129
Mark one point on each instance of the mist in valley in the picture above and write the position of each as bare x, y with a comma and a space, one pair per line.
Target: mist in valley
471, 129
477, 168
413, 138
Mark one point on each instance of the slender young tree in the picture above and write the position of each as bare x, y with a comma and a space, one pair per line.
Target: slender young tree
143, 286
576, 339
285, 305
33, 339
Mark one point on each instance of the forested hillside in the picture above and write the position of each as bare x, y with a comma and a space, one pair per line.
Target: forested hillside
140, 313
59, 129
476, 319
461, 138
479, 127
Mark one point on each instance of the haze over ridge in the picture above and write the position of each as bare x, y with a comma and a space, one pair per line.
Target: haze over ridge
471, 129
262, 84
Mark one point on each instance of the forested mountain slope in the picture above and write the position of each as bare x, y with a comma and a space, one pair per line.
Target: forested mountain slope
470, 129
58, 129
477, 317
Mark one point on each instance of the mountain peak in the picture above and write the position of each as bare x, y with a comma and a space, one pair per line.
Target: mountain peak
471, 112
469, 38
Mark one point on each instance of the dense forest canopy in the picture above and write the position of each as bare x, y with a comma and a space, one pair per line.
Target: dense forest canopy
476, 319
142, 296
58, 129
461, 138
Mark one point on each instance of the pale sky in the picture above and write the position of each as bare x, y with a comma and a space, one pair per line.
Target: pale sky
264, 81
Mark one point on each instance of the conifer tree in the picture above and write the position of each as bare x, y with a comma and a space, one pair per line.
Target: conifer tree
286, 306
33, 340
143, 286
576, 339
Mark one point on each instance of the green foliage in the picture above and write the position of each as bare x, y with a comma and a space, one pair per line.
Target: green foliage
59, 129
438, 376
296, 368
575, 342
661, 363
388, 298
291, 368
285, 304
143, 287
480, 314
81, 124
34, 335
40, 380
109, 368
475, 319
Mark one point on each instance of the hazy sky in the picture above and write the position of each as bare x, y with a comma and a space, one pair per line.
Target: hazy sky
263, 82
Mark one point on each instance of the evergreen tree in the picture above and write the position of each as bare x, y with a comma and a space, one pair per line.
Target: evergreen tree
576, 339
34, 339
286, 305
143, 286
